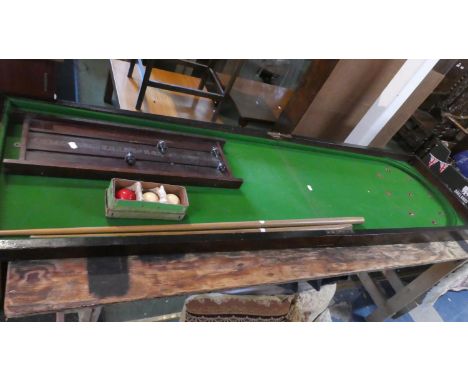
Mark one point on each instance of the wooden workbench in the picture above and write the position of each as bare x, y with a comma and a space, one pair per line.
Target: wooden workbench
190, 263
34, 287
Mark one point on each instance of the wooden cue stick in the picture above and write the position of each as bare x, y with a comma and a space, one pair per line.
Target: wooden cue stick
183, 227
202, 232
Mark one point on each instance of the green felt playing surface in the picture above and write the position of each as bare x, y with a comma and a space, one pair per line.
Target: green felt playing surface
282, 180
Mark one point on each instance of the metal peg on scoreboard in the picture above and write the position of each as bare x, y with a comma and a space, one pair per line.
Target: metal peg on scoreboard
221, 167
162, 147
130, 158
215, 152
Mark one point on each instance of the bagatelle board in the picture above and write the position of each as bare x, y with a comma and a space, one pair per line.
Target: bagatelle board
79, 148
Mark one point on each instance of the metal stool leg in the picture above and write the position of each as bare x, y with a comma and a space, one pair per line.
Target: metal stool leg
130, 70
228, 88
205, 75
144, 83
109, 89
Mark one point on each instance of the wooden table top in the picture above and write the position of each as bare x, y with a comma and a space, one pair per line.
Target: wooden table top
34, 287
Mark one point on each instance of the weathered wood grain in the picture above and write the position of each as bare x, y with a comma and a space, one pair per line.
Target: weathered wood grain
45, 286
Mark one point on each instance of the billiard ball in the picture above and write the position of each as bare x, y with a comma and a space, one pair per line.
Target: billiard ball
125, 194
173, 199
150, 197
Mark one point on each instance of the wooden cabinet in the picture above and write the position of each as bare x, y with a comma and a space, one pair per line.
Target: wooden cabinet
28, 78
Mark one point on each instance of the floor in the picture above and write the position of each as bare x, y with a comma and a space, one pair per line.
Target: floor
91, 76
87, 80
354, 304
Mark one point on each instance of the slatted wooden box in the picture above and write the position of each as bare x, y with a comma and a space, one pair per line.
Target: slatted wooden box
118, 208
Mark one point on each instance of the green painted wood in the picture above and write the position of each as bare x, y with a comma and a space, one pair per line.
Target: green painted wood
282, 180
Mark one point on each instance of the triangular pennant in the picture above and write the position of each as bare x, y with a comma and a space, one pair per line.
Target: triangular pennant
433, 160
443, 166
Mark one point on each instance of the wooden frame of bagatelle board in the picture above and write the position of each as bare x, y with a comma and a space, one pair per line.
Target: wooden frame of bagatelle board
41, 248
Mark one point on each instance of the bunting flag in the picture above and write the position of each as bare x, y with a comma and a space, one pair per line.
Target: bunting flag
443, 166
433, 160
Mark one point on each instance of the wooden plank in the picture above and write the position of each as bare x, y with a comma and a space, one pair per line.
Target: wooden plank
311, 83
24, 139
56, 164
394, 280
372, 288
346, 96
121, 133
397, 285
414, 289
46, 286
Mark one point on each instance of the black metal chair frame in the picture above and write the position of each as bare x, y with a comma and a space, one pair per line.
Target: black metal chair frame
218, 96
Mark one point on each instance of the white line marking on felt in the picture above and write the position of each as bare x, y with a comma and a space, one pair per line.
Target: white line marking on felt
73, 145
309, 187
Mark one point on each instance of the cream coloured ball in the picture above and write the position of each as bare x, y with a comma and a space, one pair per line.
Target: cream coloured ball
150, 197
173, 199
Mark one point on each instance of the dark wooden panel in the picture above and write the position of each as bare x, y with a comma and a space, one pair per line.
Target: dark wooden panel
30, 78
98, 246
121, 133
200, 177
444, 66
94, 150
45, 286
111, 149
313, 80
118, 164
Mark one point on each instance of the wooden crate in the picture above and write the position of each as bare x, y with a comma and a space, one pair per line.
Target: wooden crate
118, 208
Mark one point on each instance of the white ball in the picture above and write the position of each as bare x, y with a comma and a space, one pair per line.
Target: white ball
173, 199
150, 197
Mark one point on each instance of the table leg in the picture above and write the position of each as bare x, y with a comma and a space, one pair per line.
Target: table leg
109, 89
3, 278
84, 315
413, 290
89, 314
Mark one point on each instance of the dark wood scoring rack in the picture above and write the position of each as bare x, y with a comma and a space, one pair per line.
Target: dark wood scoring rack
80, 148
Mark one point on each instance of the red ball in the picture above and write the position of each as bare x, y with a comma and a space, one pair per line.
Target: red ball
126, 194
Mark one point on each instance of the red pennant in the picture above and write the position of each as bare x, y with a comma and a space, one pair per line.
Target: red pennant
443, 166
433, 160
